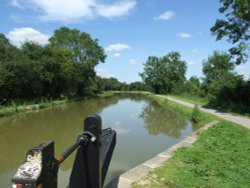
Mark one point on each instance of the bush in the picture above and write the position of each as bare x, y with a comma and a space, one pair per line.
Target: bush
196, 115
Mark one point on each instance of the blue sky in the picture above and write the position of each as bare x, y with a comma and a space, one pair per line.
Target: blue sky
128, 30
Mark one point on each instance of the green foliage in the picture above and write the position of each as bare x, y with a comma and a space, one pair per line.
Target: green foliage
235, 27
85, 53
112, 84
196, 115
14, 106
201, 101
137, 86
215, 160
7, 51
165, 73
224, 87
191, 87
171, 124
180, 109
83, 49
64, 67
216, 67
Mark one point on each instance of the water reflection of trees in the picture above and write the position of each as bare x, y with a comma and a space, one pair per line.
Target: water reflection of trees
132, 97
159, 120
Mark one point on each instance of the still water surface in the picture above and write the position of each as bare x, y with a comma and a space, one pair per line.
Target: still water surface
143, 129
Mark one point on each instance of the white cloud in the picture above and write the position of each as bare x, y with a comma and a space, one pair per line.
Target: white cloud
20, 35
118, 9
165, 16
117, 47
183, 35
120, 129
195, 51
64, 10
15, 3
76, 10
109, 75
101, 70
104, 73
117, 55
133, 62
191, 63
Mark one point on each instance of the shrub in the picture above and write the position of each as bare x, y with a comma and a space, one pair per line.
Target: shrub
196, 115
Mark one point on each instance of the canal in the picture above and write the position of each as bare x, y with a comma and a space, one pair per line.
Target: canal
144, 128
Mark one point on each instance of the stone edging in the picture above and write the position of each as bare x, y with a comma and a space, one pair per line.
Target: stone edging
138, 172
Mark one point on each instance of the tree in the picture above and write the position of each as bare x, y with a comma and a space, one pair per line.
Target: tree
190, 87
57, 72
85, 52
60, 73
7, 51
111, 84
20, 80
84, 49
137, 86
235, 27
156, 123
164, 74
216, 67
63, 68
221, 82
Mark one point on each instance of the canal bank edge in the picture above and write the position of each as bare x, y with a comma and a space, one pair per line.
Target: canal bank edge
15, 108
126, 179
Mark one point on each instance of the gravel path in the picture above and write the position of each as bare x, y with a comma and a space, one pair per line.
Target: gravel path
230, 117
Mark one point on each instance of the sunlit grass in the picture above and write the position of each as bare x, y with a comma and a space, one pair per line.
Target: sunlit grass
15, 107
219, 158
183, 110
201, 101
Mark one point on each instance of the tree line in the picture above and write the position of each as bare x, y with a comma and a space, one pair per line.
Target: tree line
62, 68
221, 85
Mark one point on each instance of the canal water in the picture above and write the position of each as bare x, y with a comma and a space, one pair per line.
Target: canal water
143, 127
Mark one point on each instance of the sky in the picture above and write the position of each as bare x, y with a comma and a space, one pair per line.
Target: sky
128, 30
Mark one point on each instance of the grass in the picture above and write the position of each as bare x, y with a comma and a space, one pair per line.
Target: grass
201, 101
219, 158
14, 107
239, 110
105, 94
183, 110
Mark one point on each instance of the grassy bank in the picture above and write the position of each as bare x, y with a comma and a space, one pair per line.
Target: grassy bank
15, 107
183, 110
234, 109
192, 99
219, 158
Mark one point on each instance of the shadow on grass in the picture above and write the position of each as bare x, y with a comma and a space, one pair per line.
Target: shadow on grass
241, 110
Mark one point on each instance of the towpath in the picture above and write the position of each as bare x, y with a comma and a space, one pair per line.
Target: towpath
244, 121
